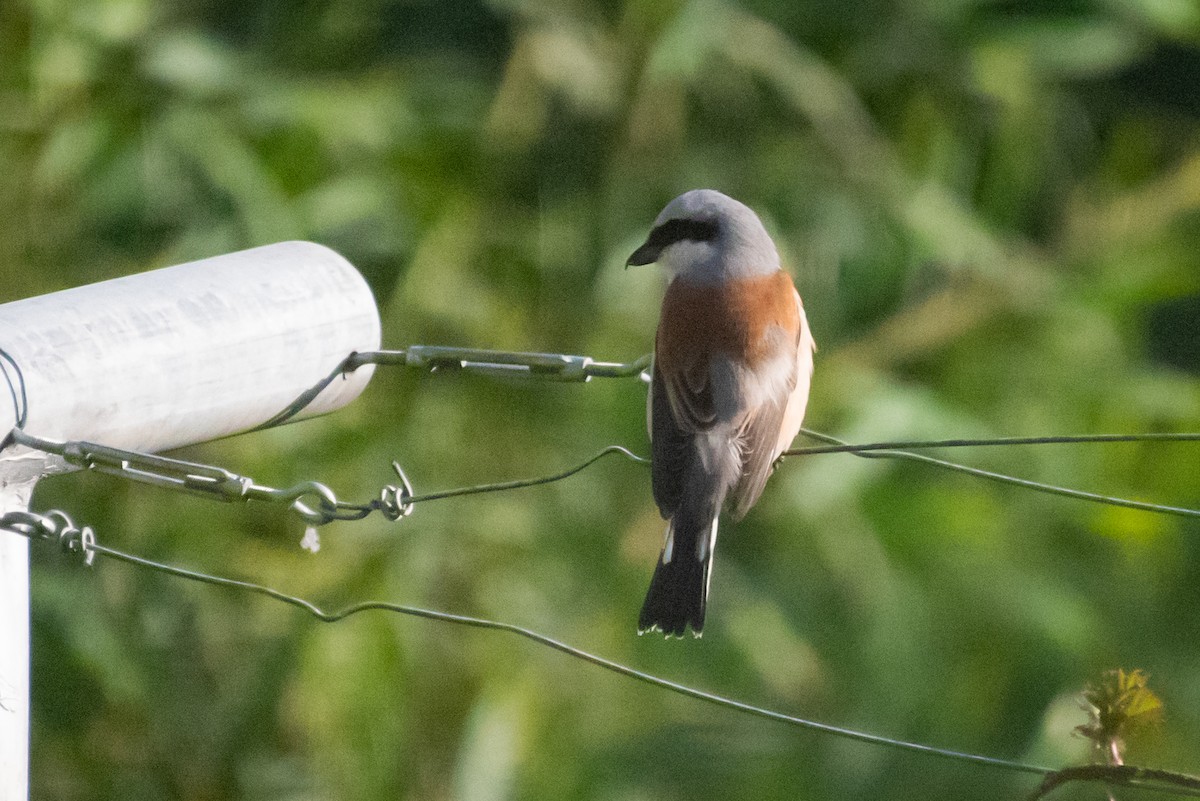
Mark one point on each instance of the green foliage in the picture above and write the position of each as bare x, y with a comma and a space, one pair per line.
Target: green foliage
990, 209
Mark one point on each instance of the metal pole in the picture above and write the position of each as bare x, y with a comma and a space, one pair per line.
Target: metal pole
156, 361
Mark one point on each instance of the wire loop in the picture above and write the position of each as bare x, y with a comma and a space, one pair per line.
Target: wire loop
79, 541
27, 524
395, 502
54, 525
307, 495
71, 538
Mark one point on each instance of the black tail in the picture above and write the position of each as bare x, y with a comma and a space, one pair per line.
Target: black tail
678, 592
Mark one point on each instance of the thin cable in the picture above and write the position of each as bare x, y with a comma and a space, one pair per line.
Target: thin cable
882, 451
20, 398
403, 501
558, 645
308, 396
57, 525
531, 482
971, 443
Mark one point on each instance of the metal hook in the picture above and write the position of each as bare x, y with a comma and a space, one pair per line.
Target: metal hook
395, 501
325, 501
87, 542
27, 524
71, 538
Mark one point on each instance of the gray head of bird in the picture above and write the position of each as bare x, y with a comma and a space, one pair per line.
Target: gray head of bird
707, 237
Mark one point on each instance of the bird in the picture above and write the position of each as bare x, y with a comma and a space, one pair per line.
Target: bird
730, 376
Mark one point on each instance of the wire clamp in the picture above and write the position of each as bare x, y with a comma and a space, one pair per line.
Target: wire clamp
395, 502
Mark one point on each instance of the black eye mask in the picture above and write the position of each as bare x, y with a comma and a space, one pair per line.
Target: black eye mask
669, 233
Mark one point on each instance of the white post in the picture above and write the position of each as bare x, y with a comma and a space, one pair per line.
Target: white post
157, 361
14, 650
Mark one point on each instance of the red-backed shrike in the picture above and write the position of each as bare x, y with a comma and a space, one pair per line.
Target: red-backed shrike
732, 362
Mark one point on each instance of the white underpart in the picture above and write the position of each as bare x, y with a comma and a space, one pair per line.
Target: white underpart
793, 415
669, 545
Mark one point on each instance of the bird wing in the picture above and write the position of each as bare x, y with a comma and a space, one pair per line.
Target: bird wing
677, 411
758, 430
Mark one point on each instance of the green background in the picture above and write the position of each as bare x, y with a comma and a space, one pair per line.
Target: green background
992, 210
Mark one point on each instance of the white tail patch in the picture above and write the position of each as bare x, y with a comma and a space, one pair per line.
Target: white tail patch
669, 545
705, 545
708, 565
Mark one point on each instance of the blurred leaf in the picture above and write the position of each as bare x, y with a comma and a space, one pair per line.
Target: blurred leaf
1070, 47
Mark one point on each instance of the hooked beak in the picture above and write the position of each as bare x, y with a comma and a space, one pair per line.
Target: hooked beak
646, 254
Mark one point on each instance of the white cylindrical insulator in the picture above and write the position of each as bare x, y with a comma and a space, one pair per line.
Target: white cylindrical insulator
188, 353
